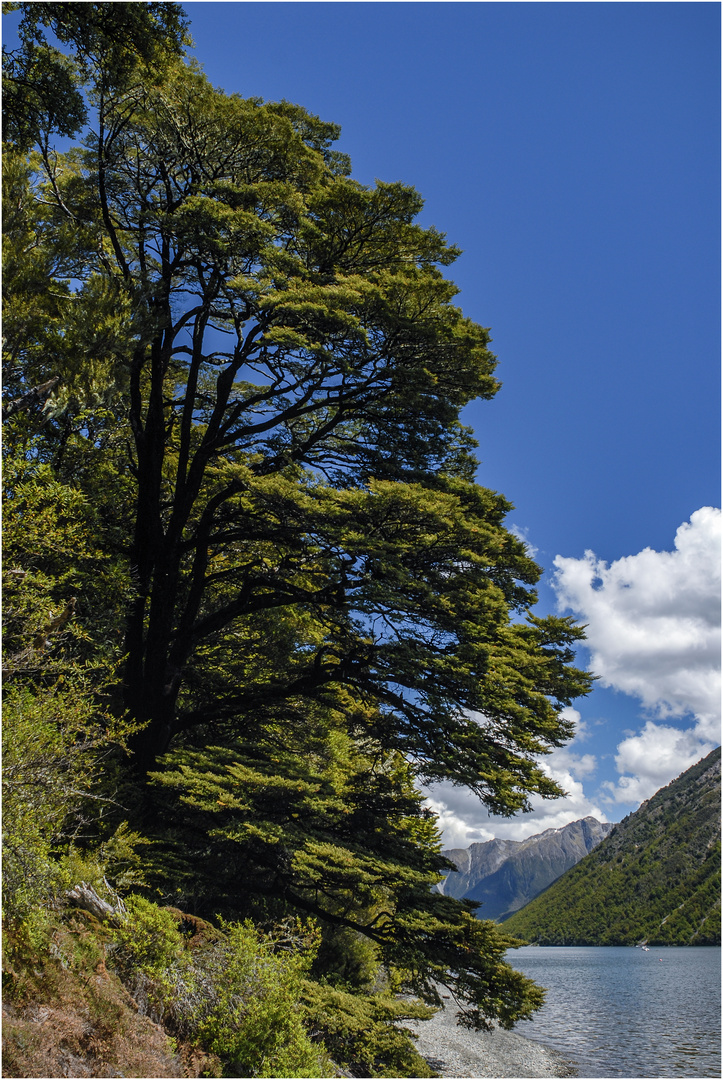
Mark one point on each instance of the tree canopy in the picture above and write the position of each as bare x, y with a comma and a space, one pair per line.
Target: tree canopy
247, 370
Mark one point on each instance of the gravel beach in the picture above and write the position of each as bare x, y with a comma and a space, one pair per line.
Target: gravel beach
455, 1051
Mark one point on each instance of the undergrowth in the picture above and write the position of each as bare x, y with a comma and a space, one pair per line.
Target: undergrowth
165, 994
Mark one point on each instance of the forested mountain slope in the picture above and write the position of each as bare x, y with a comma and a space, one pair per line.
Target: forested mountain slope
655, 878
504, 875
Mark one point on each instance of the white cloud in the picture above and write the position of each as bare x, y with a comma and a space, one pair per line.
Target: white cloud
521, 534
464, 821
653, 631
654, 757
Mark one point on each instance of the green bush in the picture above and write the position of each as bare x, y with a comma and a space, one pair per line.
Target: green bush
45, 773
363, 1032
252, 1016
237, 995
148, 941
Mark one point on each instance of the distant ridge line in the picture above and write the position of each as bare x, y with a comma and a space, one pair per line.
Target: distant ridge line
655, 878
504, 875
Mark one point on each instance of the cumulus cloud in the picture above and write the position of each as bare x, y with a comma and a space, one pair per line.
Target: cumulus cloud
653, 631
464, 821
654, 757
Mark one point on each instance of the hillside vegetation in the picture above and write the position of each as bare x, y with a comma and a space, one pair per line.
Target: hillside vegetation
655, 878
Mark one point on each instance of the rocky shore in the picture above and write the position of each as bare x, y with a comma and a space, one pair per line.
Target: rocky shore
455, 1051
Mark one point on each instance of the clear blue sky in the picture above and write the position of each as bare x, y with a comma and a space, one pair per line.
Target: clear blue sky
572, 151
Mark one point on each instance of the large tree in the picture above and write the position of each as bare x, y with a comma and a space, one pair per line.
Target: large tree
323, 607
294, 382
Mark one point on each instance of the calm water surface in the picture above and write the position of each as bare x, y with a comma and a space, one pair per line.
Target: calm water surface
625, 1012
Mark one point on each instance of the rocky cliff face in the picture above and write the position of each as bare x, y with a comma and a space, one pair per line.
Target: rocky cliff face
504, 875
656, 877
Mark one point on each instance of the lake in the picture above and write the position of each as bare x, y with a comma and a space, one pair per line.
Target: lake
623, 1012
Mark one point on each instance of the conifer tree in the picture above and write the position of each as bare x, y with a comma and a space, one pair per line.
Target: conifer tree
322, 607
295, 370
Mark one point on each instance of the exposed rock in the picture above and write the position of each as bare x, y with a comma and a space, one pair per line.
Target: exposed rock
504, 875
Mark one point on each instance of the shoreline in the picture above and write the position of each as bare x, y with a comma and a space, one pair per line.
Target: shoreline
456, 1052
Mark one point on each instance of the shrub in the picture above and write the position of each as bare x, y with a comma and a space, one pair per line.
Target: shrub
251, 1016
363, 1032
238, 996
44, 772
148, 941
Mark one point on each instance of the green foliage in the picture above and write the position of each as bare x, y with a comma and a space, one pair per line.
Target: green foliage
63, 586
365, 1032
255, 1022
75, 338
655, 878
55, 790
109, 42
49, 768
338, 830
244, 538
115, 862
238, 995
65, 582
148, 939
334, 300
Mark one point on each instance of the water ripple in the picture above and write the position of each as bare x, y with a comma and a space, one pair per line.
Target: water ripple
625, 1012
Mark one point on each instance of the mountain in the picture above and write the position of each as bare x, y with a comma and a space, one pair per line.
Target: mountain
655, 878
505, 874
